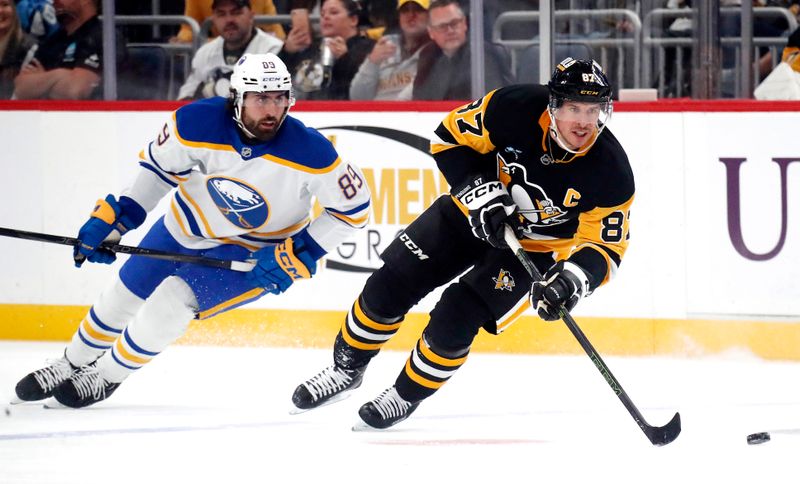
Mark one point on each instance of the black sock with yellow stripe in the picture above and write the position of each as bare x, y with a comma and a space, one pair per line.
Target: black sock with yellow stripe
362, 335
427, 369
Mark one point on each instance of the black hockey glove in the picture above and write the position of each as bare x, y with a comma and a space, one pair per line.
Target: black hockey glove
563, 285
490, 210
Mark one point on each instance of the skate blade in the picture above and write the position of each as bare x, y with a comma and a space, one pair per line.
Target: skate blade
362, 426
53, 404
337, 398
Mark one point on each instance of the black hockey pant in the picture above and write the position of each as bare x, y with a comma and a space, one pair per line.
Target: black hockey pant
431, 252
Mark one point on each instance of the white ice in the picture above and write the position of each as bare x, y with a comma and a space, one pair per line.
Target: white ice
221, 415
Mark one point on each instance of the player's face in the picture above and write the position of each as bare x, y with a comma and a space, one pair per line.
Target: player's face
413, 19
233, 23
262, 113
577, 122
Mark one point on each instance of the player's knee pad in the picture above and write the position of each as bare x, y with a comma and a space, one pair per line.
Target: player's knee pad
456, 318
165, 315
386, 295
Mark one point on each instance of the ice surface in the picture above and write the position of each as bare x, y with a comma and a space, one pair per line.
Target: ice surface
221, 415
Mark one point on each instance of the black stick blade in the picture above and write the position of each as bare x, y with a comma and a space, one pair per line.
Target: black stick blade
664, 435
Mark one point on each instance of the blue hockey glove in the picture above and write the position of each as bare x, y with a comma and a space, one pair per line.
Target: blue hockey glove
563, 285
491, 208
109, 220
279, 266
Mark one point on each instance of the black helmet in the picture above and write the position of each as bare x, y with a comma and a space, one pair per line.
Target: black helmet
579, 80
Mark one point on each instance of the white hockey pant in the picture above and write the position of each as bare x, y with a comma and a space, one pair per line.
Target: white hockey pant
161, 319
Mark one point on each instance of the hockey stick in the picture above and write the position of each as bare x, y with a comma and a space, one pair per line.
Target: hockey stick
235, 265
657, 435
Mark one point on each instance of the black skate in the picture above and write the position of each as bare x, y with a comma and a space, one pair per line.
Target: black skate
40, 384
386, 410
328, 386
86, 387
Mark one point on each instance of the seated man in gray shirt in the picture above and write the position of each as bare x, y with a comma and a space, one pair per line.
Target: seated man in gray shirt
444, 68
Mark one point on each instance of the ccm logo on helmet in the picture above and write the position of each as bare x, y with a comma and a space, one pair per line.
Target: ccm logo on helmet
589, 93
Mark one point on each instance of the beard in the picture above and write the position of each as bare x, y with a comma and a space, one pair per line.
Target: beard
263, 129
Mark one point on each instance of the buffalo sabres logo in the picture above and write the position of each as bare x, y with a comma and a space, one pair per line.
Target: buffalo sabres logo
239, 203
504, 281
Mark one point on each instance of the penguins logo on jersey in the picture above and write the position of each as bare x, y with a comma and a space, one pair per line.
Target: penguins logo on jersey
238, 202
504, 281
534, 205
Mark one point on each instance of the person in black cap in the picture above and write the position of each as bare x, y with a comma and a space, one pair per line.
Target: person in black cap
213, 63
200, 10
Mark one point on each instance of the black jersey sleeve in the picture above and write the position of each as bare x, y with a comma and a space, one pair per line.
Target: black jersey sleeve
462, 146
603, 231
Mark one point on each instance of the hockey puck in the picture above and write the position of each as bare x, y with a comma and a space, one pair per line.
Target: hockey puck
758, 438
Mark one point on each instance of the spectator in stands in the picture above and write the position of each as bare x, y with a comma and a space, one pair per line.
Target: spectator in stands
200, 10
389, 70
37, 17
14, 45
783, 82
213, 63
69, 63
324, 68
375, 16
444, 69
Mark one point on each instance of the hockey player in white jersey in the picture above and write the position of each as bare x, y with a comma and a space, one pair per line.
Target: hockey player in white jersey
243, 176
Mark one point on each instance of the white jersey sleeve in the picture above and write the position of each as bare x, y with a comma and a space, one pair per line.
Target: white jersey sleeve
345, 198
165, 163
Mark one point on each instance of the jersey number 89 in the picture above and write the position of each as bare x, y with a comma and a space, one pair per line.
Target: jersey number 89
350, 182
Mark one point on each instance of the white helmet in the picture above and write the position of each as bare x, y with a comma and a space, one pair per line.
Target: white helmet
259, 73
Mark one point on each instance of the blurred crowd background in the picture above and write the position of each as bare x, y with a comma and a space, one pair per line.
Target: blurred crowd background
385, 49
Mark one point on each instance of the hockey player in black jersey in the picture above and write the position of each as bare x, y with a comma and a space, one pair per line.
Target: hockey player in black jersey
535, 158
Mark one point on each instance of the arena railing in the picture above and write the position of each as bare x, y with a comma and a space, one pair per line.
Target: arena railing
179, 54
283, 19
670, 54
620, 56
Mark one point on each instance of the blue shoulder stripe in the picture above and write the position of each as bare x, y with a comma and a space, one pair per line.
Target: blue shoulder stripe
204, 121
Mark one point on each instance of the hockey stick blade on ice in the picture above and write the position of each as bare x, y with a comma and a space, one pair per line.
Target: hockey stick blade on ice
657, 435
235, 265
